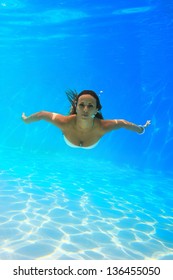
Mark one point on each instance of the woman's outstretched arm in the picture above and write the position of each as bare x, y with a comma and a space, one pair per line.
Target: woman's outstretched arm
110, 125
54, 118
132, 126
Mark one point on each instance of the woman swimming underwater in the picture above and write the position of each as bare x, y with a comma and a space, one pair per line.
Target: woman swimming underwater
84, 126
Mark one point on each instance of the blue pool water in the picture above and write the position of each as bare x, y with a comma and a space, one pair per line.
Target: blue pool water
111, 202
51, 210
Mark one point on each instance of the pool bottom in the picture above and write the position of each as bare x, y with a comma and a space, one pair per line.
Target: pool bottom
50, 209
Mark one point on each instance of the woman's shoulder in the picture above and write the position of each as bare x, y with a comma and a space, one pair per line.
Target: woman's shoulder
62, 121
64, 118
69, 120
107, 125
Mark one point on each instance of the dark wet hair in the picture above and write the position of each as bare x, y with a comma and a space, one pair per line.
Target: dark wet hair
73, 97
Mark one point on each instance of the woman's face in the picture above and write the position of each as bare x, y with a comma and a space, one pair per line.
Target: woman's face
86, 106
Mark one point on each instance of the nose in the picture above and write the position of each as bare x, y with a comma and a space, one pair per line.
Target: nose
85, 108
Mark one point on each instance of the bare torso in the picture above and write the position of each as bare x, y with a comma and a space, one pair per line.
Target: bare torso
88, 136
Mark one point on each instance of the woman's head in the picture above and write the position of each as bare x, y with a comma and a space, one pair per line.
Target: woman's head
93, 94
75, 99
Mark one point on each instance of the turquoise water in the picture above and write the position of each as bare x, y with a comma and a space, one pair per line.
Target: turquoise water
111, 202
85, 210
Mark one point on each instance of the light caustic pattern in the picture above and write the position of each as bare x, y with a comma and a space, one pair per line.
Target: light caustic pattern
50, 209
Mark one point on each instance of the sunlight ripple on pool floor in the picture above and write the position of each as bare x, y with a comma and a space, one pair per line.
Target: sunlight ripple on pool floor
50, 210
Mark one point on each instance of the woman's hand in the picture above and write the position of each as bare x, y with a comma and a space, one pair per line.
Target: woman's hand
143, 127
24, 117
147, 124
